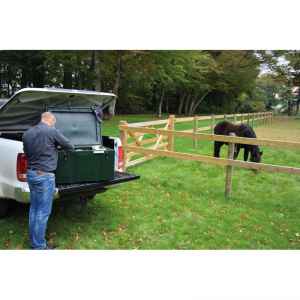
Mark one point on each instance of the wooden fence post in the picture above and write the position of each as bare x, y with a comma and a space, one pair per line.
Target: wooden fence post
225, 117
234, 118
171, 126
212, 123
248, 119
242, 118
124, 139
195, 129
229, 169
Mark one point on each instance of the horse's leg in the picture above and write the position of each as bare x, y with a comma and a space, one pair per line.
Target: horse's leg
246, 153
217, 148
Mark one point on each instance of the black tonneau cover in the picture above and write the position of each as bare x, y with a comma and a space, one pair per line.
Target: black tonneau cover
24, 108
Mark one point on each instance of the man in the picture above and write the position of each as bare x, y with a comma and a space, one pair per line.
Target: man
40, 146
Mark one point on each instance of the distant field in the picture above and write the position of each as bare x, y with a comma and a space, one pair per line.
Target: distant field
180, 204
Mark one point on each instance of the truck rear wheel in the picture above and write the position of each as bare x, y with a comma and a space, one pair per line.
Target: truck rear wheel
4, 206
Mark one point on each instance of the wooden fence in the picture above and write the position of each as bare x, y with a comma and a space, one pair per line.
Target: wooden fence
159, 141
136, 136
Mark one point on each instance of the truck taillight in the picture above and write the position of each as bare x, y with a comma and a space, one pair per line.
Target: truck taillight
120, 157
21, 167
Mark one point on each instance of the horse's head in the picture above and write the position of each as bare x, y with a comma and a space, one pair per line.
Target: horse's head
256, 154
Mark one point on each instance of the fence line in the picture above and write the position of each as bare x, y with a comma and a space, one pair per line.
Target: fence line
165, 136
163, 144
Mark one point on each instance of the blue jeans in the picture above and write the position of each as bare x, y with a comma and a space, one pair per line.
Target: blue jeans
42, 189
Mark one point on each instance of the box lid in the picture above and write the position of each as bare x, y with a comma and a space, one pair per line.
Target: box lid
24, 108
79, 125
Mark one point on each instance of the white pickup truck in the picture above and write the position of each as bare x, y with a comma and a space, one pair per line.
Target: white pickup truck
78, 119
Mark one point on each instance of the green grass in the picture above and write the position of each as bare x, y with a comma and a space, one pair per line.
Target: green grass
179, 205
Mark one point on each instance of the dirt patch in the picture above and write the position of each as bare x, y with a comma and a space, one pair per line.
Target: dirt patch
282, 128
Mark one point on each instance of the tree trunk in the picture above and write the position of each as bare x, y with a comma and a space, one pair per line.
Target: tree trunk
186, 106
160, 104
96, 66
191, 106
116, 87
9, 82
289, 108
38, 77
167, 106
23, 80
195, 106
181, 102
67, 76
297, 108
192, 103
9, 88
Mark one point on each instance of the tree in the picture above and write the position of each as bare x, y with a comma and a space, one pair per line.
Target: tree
183, 82
285, 67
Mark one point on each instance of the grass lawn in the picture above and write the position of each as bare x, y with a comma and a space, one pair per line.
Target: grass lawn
180, 204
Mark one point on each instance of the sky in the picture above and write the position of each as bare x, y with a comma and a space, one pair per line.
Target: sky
264, 69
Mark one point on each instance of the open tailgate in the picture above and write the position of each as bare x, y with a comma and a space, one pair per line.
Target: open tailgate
119, 177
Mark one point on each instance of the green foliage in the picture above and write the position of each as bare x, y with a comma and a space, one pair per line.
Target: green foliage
283, 80
183, 82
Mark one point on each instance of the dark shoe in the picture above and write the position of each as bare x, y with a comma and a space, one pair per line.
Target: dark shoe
47, 248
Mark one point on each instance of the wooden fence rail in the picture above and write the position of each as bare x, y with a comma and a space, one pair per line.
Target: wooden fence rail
218, 161
250, 116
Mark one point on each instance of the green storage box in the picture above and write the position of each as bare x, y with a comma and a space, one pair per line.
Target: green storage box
82, 165
90, 161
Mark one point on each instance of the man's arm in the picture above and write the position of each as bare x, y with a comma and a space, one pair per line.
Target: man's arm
61, 140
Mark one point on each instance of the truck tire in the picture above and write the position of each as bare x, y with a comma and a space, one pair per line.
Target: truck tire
4, 207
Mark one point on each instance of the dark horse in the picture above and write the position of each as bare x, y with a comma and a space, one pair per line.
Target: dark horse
242, 130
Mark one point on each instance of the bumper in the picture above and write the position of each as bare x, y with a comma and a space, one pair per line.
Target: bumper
23, 194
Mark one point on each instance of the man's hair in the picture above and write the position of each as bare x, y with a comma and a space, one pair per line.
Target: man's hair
47, 116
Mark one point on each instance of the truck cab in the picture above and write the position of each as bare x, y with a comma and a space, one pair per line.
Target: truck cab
94, 165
